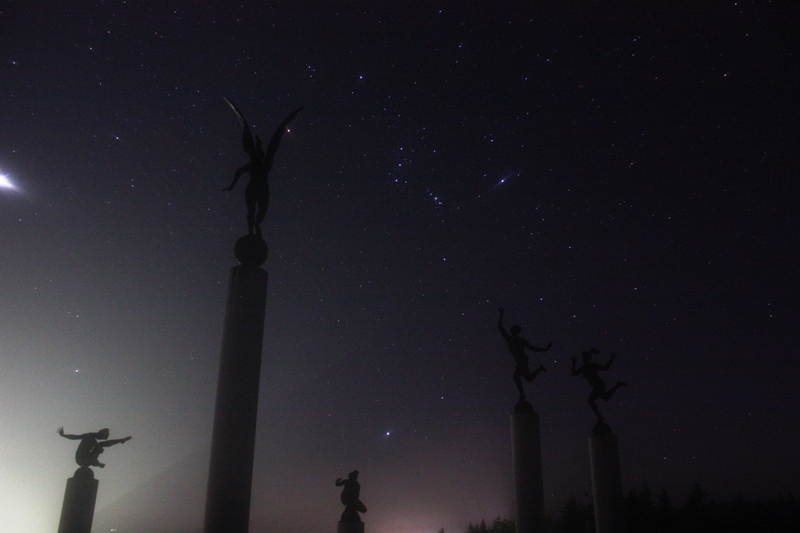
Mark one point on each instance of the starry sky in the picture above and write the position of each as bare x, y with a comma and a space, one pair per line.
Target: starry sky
616, 175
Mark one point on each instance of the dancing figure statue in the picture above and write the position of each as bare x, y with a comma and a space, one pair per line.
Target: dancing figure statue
517, 346
589, 371
350, 495
90, 447
256, 194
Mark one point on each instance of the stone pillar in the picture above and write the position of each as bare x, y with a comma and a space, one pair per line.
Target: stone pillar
77, 512
350, 527
606, 481
233, 438
526, 457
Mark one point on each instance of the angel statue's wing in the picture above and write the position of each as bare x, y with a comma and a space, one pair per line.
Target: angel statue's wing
247, 137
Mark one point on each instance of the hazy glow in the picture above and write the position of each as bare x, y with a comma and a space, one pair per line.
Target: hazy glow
5, 183
417, 521
20, 510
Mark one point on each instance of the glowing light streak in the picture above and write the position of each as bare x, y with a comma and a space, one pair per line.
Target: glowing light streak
5, 183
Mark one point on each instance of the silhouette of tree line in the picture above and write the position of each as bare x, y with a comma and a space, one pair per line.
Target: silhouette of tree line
499, 525
646, 512
700, 513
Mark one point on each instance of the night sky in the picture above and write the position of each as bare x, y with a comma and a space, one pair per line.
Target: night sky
615, 175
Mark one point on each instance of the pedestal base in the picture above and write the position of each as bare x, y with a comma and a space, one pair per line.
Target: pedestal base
230, 472
526, 455
77, 512
350, 527
606, 481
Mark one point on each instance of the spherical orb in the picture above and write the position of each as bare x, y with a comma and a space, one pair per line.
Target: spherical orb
251, 250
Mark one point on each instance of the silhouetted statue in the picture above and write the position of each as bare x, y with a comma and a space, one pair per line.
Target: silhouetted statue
350, 495
256, 194
90, 448
517, 345
589, 371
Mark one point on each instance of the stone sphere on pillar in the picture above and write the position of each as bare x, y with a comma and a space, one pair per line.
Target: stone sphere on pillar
251, 250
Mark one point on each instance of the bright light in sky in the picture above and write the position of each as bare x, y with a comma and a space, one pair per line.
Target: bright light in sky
5, 183
502, 181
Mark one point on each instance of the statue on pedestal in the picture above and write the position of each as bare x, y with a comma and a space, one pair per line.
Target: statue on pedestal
350, 495
589, 371
90, 447
256, 194
517, 346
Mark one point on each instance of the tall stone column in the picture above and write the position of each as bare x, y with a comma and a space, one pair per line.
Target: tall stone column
606, 480
526, 457
77, 511
233, 438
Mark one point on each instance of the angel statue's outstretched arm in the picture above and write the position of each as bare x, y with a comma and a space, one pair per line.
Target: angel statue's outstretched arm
239, 172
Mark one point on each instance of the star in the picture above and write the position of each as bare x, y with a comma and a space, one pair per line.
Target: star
503, 180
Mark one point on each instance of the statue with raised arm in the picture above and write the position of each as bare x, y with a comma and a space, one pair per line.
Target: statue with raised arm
91, 446
256, 194
589, 371
517, 346
350, 497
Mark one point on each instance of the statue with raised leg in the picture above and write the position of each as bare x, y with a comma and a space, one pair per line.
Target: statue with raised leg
603, 450
517, 346
91, 446
589, 371
77, 511
256, 194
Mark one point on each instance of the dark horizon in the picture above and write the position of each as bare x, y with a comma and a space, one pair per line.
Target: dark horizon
615, 175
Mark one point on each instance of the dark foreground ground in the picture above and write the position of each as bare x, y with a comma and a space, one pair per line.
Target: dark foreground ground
649, 513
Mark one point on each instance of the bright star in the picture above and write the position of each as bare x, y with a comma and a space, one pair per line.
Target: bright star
502, 181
